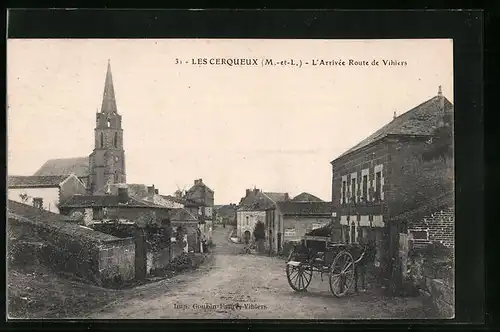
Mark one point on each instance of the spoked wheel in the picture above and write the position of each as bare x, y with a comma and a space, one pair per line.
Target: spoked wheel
342, 273
299, 277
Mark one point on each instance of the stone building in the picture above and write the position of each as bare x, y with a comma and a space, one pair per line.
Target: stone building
258, 206
396, 169
45, 192
296, 218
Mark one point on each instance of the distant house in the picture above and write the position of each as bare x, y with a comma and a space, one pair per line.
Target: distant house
296, 218
201, 196
226, 214
45, 192
306, 197
120, 208
65, 166
180, 217
397, 169
259, 206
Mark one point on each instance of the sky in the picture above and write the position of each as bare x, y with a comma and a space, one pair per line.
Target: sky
275, 128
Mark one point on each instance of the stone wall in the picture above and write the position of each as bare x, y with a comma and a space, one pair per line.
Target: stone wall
65, 247
431, 270
117, 260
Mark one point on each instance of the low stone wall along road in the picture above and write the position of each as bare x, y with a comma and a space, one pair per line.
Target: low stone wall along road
237, 286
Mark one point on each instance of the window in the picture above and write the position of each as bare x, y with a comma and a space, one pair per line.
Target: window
115, 140
365, 187
353, 189
38, 202
378, 185
344, 186
102, 140
108, 123
247, 220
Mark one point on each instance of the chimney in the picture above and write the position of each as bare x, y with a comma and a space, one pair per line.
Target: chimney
255, 190
151, 189
441, 98
287, 197
198, 181
248, 193
395, 115
122, 194
157, 191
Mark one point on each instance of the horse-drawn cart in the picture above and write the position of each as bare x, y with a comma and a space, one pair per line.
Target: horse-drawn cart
321, 254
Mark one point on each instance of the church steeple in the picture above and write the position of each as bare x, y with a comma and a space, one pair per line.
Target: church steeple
107, 161
108, 99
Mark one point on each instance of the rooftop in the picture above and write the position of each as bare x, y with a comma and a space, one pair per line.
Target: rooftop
106, 201
306, 208
49, 220
420, 120
66, 166
47, 181
306, 197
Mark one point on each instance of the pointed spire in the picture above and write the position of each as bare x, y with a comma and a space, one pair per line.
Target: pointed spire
108, 99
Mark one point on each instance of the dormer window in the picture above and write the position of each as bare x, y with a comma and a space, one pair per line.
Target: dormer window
108, 123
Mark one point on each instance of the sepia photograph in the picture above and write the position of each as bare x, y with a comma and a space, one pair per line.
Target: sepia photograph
230, 179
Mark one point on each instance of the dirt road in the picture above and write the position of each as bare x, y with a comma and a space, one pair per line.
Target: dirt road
239, 286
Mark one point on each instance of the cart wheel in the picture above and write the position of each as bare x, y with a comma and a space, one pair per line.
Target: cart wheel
299, 277
341, 273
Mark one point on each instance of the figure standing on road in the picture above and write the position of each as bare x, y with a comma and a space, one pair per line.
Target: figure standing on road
368, 246
360, 268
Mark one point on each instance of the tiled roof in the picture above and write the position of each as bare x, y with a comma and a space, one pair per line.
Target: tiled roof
277, 197
174, 199
181, 214
226, 211
49, 220
78, 166
35, 181
305, 208
256, 202
421, 120
306, 197
105, 201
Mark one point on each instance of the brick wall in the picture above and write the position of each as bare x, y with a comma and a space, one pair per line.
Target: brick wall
438, 227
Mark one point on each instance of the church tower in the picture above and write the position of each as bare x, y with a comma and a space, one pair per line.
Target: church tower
107, 161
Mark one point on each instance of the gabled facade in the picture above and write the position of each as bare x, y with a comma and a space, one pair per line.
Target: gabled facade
44, 192
394, 170
259, 206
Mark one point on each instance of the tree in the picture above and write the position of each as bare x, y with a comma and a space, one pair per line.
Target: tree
259, 231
